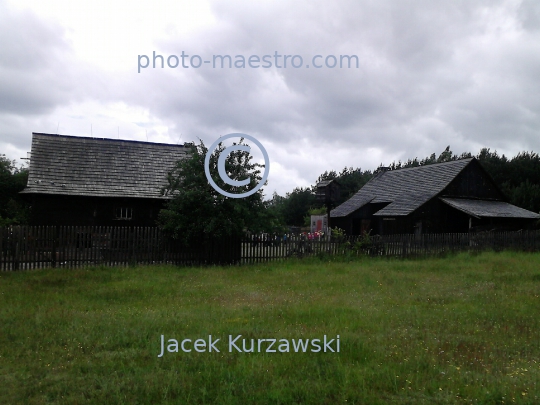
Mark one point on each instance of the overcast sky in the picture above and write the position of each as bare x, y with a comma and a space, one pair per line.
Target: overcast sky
430, 74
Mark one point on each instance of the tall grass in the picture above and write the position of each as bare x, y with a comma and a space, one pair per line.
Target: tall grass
462, 329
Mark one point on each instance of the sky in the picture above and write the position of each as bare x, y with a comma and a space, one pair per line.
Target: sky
423, 75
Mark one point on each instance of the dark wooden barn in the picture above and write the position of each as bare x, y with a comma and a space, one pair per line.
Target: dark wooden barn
93, 181
457, 196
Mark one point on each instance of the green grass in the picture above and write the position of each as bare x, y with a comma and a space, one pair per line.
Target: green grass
461, 329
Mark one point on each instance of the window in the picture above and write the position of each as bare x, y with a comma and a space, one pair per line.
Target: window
124, 213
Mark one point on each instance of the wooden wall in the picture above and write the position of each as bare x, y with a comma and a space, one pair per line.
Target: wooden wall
96, 211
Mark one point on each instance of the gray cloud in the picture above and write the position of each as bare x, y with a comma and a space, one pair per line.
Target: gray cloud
434, 61
38, 73
32, 64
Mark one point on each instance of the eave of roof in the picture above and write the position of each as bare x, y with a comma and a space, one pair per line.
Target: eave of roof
489, 209
403, 206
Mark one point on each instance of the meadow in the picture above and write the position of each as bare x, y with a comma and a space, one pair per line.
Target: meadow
463, 329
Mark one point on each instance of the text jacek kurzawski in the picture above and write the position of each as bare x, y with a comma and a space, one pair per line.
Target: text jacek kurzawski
238, 345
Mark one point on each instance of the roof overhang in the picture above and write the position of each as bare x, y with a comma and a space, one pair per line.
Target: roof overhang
101, 194
489, 209
350, 206
403, 205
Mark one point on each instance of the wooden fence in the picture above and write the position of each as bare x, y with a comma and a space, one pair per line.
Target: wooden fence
31, 247
408, 245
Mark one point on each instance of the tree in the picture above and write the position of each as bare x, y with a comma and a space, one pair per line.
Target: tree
446, 156
296, 205
526, 195
13, 209
197, 210
350, 181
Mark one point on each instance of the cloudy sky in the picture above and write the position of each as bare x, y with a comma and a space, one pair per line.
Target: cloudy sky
430, 74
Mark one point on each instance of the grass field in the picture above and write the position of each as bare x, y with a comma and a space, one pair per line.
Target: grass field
461, 329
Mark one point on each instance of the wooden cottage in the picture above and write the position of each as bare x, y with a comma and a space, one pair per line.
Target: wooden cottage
93, 181
457, 196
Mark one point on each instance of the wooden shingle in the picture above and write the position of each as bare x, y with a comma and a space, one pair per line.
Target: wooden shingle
99, 167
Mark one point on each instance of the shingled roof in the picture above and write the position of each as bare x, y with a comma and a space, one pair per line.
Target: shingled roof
405, 189
72, 165
489, 209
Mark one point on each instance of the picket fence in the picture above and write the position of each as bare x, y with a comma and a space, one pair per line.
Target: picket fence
35, 247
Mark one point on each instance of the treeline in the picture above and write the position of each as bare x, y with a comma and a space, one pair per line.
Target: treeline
517, 177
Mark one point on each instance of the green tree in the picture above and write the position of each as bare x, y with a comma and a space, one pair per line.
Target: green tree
276, 209
13, 209
526, 195
296, 205
446, 156
350, 181
197, 210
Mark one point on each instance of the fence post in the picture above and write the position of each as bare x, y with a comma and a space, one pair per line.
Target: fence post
16, 263
54, 246
132, 238
17, 241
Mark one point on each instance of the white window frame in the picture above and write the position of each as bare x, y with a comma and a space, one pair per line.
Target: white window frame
123, 213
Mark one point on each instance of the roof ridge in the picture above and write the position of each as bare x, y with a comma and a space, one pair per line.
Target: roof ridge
430, 165
108, 139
